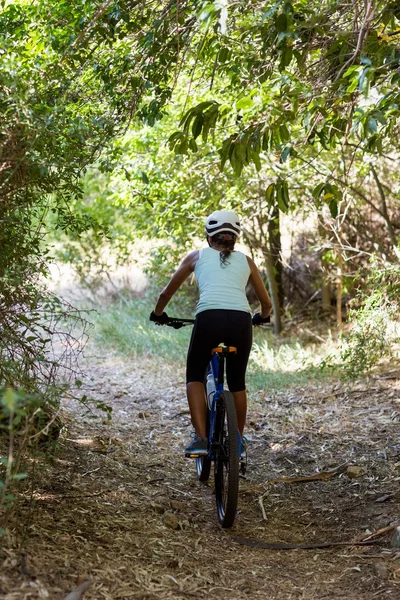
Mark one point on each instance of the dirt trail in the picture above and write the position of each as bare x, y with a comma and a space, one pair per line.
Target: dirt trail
121, 505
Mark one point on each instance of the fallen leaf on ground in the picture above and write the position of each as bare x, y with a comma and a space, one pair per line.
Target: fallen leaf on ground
78, 592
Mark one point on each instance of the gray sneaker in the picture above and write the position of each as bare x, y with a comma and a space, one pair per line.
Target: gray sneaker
197, 447
243, 447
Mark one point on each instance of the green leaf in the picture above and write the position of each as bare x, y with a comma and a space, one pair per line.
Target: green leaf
270, 12
224, 54
270, 193
197, 125
224, 152
281, 22
244, 103
240, 150
364, 60
238, 157
174, 139
362, 79
24, 319
284, 133
204, 105
10, 399
206, 130
192, 112
333, 207
318, 190
372, 125
182, 147
265, 141
286, 57
353, 85
351, 70
210, 118
286, 153
192, 145
236, 163
282, 195
380, 117
19, 476
395, 79
256, 160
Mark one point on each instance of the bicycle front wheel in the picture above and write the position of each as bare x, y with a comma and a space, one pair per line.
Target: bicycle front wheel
226, 468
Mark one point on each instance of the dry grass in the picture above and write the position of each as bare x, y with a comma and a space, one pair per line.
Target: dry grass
102, 508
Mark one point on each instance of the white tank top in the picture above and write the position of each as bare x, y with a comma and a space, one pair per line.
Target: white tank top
222, 286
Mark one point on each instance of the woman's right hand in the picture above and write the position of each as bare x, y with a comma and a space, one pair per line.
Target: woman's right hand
259, 320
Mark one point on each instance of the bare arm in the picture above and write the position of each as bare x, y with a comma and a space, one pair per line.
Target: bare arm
184, 270
258, 286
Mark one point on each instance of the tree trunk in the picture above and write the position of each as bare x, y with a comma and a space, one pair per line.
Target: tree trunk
326, 295
339, 292
274, 236
273, 290
263, 245
385, 214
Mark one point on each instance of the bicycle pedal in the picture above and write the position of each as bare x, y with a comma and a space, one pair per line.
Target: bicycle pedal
187, 455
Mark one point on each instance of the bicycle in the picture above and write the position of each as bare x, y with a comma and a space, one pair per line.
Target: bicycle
224, 441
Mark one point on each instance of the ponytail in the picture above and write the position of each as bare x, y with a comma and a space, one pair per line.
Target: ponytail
227, 240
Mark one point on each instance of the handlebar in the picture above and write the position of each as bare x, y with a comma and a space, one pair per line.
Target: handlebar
178, 323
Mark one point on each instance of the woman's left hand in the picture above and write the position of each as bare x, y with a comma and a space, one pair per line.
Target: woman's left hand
159, 319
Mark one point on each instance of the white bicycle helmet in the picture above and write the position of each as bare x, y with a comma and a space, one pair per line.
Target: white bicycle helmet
223, 220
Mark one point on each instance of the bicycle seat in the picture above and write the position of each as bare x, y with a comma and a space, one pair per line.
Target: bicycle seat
222, 349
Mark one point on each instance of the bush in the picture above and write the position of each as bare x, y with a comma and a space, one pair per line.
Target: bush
375, 322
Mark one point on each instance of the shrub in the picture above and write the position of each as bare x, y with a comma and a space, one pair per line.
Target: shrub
375, 322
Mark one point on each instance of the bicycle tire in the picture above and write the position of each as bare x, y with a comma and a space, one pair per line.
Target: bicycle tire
226, 466
203, 463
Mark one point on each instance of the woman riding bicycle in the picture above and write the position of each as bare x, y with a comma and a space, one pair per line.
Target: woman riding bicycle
223, 315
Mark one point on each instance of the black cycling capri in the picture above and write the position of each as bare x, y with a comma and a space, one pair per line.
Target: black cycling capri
213, 327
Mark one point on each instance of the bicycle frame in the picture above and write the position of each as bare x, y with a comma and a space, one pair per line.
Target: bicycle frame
217, 368
224, 440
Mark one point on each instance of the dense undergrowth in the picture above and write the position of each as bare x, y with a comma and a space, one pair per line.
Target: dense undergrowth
375, 332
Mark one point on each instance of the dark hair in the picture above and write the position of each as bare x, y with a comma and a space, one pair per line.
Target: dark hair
227, 240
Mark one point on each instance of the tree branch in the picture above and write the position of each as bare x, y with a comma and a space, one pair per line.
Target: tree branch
369, 13
384, 211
